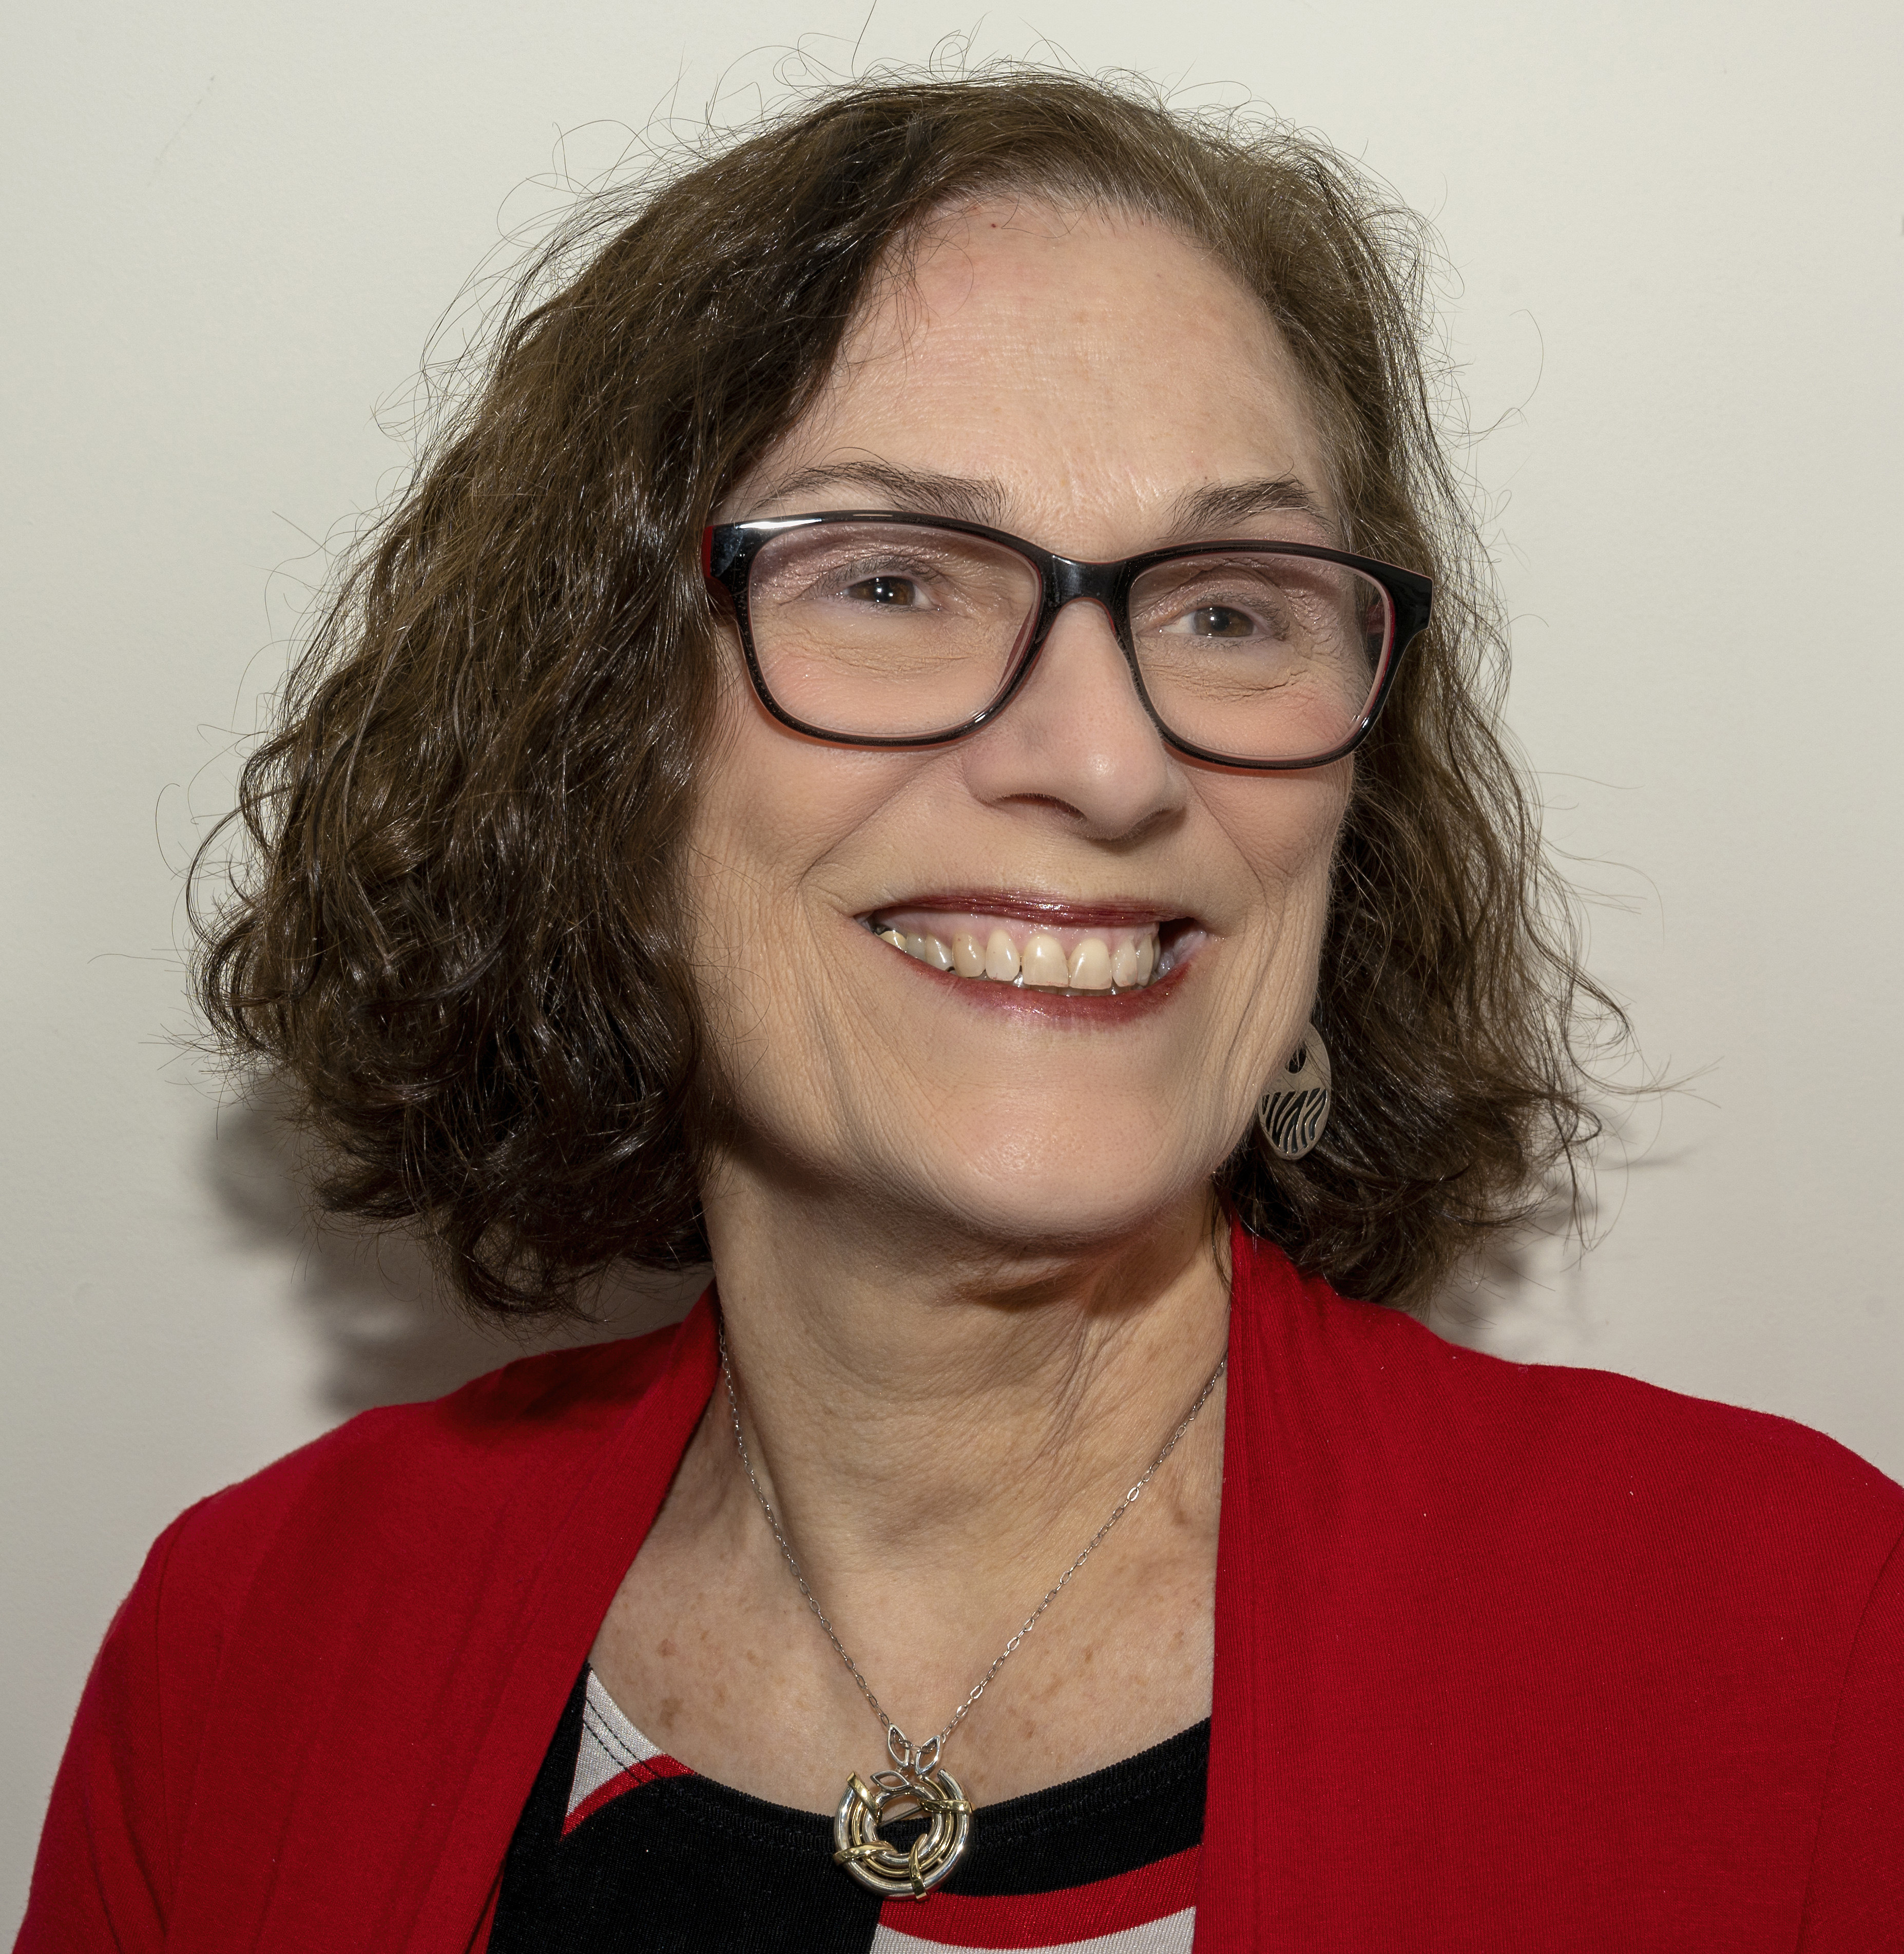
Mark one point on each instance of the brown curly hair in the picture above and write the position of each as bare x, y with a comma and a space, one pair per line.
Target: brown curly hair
454, 929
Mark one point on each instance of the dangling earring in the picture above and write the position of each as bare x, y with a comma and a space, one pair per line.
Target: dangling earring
1295, 1109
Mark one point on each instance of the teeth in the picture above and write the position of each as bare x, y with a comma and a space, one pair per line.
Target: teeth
1091, 966
1113, 961
1044, 963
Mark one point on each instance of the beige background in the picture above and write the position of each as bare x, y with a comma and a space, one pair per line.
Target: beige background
1680, 235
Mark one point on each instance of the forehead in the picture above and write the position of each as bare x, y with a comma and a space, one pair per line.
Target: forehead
1097, 367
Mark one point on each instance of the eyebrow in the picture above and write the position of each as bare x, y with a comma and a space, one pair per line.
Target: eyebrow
912, 491
1197, 512
1200, 511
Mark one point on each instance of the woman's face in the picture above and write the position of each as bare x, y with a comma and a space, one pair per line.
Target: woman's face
1099, 386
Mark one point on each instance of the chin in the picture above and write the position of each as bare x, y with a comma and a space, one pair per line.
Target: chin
1068, 1198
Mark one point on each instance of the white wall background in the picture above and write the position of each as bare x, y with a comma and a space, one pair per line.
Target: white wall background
1679, 234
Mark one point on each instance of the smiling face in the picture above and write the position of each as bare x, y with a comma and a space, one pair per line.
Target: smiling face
1028, 987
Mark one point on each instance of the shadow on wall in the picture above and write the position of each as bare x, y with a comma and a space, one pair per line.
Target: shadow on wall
1527, 1295
390, 1332
1518, 1298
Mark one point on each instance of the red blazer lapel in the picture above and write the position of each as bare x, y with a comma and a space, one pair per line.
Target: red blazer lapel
514, 1568
1233, 1854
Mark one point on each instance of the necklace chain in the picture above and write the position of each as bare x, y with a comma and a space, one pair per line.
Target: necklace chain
925, 1756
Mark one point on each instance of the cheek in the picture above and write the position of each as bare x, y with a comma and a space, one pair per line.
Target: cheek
1284, 828
738, 858
1283, 832
723, 873
774, 825
742, 884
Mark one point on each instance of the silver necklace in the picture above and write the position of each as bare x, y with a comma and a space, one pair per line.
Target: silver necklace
918, 1784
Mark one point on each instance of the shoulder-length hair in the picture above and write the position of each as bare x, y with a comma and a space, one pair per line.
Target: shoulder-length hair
456, 928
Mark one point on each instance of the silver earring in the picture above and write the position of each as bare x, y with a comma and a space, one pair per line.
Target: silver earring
1295, 1109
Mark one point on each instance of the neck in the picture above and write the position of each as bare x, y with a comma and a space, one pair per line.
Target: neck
942, 1424
943, 1400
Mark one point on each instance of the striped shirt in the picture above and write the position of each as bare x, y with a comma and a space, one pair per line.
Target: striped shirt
620, 1846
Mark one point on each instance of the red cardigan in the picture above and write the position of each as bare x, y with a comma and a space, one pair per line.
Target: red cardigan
1507, 1657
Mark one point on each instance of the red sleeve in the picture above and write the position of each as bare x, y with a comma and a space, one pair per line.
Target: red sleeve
104, 1872
1856, 1900
254, 1697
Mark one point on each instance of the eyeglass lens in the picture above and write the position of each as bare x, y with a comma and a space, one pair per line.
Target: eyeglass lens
897, 631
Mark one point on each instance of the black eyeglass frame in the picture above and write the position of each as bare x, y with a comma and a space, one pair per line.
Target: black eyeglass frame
728, 550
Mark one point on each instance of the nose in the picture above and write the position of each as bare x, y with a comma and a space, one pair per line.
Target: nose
1076, 736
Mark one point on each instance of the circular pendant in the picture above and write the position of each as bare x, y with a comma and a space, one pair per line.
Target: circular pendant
932, 1794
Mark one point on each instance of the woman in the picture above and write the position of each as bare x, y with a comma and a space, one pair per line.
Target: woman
898, 746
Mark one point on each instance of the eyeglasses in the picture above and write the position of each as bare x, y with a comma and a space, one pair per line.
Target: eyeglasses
871, 629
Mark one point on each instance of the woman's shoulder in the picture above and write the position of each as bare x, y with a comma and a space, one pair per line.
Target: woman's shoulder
400, 1476
1561, 1606
1574, 1436
283, 1631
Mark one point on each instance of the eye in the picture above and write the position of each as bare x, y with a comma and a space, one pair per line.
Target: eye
897, 593
1218, 620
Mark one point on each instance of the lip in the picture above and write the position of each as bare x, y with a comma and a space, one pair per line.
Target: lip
1022, 906
1078, 1008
